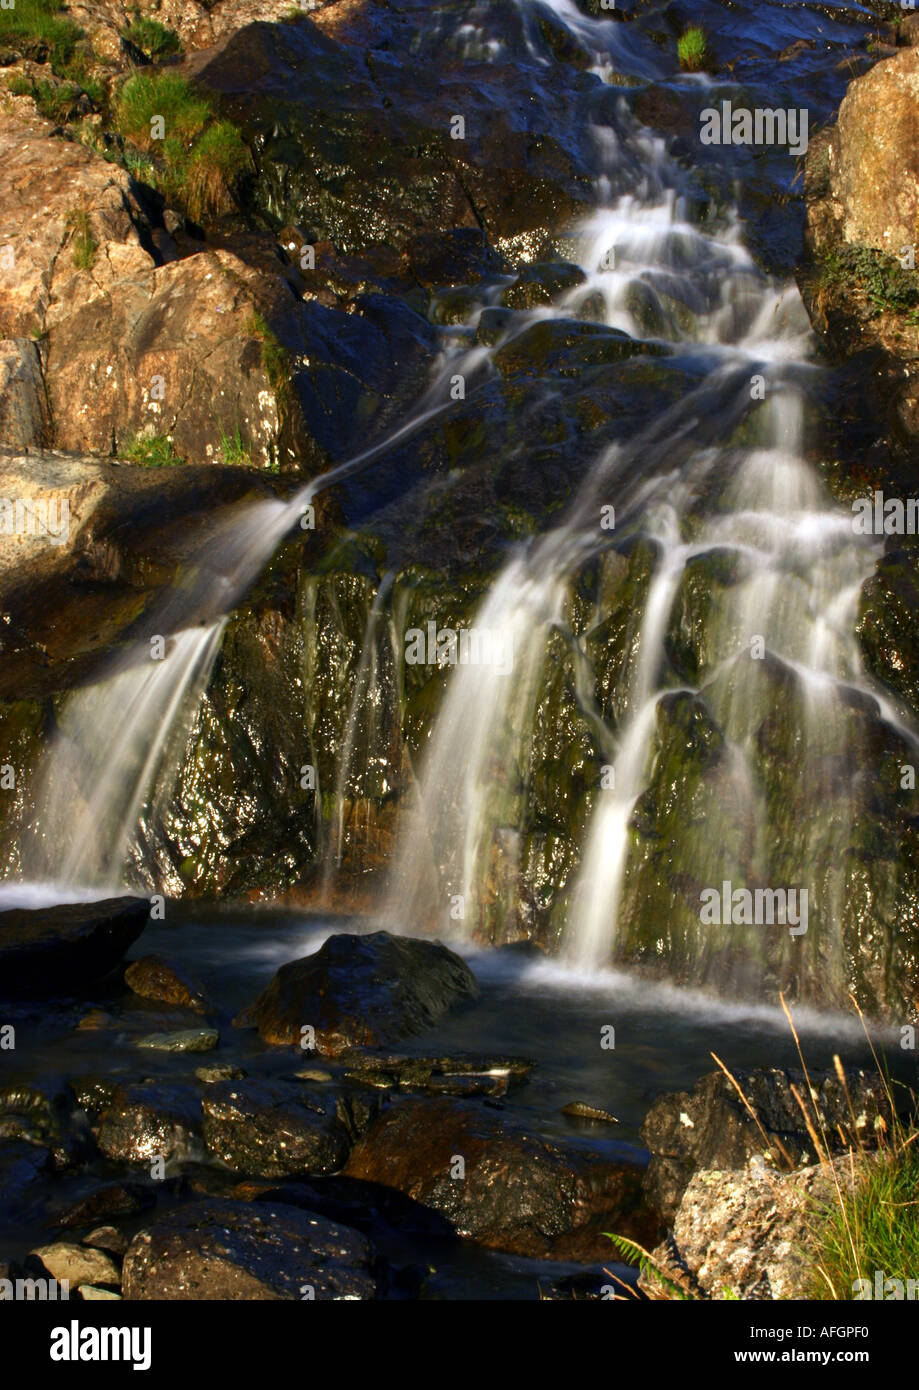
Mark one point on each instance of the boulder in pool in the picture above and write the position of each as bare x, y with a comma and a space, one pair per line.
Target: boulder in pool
360, 991
67, 946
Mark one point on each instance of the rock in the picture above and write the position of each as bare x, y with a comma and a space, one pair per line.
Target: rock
65, 947
746, 1233
152, 977
872, 157
862, 197
107, 1238
518, 1193
187, 1040
90, 1294
221, 1071
114, 1199
462, 1074
336, 135
116, 535
273, 1128
361, 991
25, 420
239, 1250
710, 1127
150, 1121
22, 1168
78, 1264
579, 1110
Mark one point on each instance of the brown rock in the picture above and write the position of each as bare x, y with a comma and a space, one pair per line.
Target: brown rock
152, 977
515, 1193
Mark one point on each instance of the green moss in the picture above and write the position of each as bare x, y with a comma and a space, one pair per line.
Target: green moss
879, 278
153, 451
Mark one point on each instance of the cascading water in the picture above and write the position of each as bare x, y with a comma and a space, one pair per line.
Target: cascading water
716, 486
722, 481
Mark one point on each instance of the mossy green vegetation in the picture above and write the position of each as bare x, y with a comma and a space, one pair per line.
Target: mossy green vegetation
153, 39
198, 158
153, 451
873, 1227
84, 243
692, 49
880, 279
233, 450
39, 30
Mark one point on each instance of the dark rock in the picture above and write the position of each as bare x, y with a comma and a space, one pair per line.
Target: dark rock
237, 1250
150, 1121
65, 947
273, 1128
152, 977
710, 1127
113, 1200
361, 991
517, 1193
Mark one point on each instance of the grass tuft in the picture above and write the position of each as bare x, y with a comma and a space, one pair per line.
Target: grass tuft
153, 39
153, 451
692, 49
84, 243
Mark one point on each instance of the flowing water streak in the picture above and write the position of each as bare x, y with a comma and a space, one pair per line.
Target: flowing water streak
119, 743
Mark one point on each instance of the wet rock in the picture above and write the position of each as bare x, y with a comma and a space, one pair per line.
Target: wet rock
145, 1122
273, 1128
515, 1192
710, 1127
65, 947
221, 1071
117, 535
361, 991
22, 1169
459, 1075
152, 977
112, 1200
93, 1093
746, 1233
337, 130
78, 1264
237, 1250
580, 1110
187, 1040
